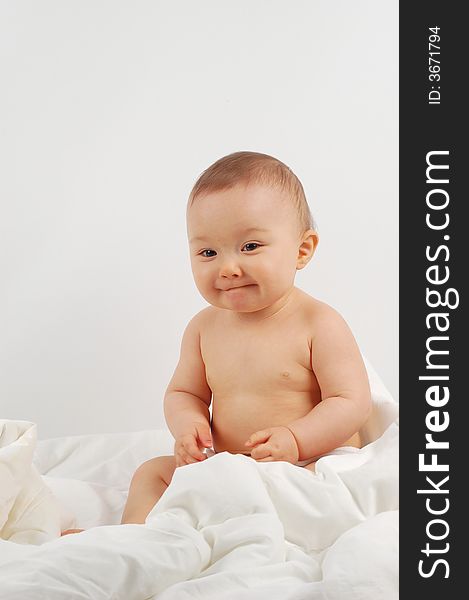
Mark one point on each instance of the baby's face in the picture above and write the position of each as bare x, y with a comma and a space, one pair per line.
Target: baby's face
244, 246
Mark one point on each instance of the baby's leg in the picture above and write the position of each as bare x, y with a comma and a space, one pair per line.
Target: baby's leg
149, 482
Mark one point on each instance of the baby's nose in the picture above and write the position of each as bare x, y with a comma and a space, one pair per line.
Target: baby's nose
230, 269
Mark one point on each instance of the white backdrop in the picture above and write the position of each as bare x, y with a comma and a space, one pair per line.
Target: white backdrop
109, 112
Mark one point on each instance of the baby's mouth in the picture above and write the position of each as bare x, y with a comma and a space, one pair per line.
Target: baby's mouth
237, 287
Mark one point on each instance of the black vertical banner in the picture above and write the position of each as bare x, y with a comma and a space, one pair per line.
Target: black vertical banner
434, 354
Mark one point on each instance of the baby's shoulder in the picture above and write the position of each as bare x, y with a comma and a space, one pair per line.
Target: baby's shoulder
204, 318
318, 313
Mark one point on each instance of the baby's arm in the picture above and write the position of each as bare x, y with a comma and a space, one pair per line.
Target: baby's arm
187, 399
345, 392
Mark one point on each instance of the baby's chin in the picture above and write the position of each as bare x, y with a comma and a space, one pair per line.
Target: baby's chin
238, 300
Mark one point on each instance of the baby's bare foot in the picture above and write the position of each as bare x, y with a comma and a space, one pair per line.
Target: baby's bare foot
69, 531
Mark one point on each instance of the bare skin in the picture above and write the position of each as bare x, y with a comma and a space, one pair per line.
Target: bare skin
282, 370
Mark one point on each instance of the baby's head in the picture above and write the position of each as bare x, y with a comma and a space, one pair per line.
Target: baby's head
250, 229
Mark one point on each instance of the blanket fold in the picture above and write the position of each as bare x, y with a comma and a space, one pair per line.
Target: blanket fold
29, 513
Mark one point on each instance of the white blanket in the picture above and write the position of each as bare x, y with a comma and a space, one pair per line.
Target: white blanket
29, 512
233, 528
226, 528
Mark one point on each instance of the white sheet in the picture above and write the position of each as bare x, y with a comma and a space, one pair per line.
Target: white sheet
226, 528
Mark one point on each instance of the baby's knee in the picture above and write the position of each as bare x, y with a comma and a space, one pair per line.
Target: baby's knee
161, 467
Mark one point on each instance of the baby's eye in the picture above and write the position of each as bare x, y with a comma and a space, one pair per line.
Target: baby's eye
208, 253
250, 246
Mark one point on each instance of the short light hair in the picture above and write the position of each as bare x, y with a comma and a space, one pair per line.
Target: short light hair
254, 168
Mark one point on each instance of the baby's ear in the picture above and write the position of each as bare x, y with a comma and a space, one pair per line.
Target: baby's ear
309, 242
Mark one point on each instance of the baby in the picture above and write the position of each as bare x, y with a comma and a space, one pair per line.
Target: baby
281, 370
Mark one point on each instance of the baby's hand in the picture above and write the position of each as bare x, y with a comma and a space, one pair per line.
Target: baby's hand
187, 448
275, 443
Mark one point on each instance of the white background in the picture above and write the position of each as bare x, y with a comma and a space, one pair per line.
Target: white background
109, 112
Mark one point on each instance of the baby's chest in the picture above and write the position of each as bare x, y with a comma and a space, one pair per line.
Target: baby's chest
236, 362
